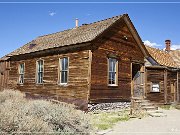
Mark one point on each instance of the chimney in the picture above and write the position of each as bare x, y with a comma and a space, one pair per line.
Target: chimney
77, 22
168, 45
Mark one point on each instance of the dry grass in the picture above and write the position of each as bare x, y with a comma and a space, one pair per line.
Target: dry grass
18, 114
106, 120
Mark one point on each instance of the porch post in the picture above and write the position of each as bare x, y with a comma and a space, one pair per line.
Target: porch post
165, 86
131, 82
145, 82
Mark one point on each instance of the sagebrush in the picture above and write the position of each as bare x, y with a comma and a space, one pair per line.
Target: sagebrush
21, 115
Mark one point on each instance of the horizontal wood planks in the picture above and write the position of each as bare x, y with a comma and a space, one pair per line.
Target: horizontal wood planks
77, 86
125, 51
4, 72
166, 94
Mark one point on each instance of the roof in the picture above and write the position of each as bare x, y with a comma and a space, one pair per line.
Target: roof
175, 54
82, 34
161, 57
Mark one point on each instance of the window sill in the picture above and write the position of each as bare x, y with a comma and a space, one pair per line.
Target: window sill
112, 85
63, 84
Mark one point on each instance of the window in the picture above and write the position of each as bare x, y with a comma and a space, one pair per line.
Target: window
112, 72
64, 65
21, 73
155, 87
40, 69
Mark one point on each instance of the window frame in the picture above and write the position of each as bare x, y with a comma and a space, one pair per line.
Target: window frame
116, 73
60, 71
155, 83
21, 74
37, 71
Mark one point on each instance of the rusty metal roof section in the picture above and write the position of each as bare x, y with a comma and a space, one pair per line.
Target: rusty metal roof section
175, 54
162, 57
81, 34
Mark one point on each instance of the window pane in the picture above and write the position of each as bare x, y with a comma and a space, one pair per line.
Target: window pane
64, 64
112, 71
155, 87
21, 79
40, 66
112, 78
41, 77
112, 64
40, 72
64, 70
64, 77
21, 68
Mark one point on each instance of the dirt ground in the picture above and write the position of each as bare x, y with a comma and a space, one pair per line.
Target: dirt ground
169, 125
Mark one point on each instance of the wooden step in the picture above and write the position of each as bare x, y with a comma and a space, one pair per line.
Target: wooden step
148, 108
147, 104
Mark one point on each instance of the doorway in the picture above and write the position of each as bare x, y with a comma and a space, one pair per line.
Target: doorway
137, 80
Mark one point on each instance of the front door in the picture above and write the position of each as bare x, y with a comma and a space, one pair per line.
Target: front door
138, 81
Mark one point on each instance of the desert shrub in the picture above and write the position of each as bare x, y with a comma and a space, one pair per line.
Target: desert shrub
34, 116
12, 95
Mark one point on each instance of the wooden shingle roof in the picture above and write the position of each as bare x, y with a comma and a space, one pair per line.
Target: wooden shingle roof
161, 57
175, 54
82, 34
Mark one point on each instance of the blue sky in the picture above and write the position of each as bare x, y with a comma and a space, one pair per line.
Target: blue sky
23, 22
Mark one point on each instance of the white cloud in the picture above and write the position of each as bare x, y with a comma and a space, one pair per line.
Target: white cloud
147, 42
175, 47
52, 13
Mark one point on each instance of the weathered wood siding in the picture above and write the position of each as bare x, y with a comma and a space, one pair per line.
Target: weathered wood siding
125, 50
77, 80
4, 71
158, 75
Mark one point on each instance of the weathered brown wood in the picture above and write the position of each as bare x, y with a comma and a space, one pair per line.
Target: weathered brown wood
113, 43
77, 86
165, 87
89, 75
166, 78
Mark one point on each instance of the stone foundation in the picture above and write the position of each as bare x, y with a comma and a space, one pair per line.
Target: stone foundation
108, 106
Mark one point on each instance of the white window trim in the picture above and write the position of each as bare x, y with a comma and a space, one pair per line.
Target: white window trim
19, 74
152, 87
116, 80
59, 72
38, 71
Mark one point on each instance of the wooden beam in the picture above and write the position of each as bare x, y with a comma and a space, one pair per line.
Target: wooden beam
132, 82
165, 86
145, 82
89, 75
177, 86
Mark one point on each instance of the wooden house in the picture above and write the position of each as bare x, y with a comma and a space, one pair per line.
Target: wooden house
162, 76
94, 62
104, 61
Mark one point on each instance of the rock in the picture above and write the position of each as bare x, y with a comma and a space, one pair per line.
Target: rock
108, 106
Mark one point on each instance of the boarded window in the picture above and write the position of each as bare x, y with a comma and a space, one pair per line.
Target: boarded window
40, 69
21, 73
64, 67
112, 72
155, 87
